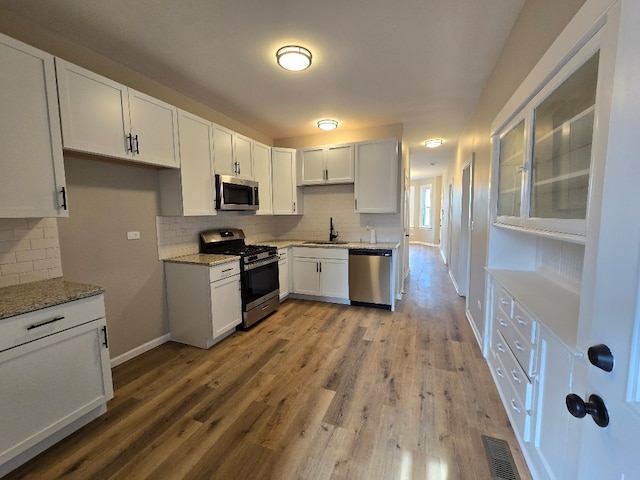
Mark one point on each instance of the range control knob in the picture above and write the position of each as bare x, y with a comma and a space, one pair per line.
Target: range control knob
601, 357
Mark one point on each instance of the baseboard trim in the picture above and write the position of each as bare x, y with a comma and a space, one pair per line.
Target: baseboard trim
476, 332
455, 284
444, 258
145, 347
426, 244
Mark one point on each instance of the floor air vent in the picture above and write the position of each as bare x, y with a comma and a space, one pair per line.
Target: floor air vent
501, 462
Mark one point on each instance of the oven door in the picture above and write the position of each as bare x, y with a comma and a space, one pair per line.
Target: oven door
260, 283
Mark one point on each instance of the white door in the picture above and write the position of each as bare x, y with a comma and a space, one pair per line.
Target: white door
313, 164
223, 150
340, 163
610, 302
243, 155
334, 278
306, 276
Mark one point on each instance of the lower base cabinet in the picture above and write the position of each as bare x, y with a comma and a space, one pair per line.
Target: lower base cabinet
204, 302
322, 272
283, 272
56, 361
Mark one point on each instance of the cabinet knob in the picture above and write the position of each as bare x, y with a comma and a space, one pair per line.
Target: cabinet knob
596, 408
601, 357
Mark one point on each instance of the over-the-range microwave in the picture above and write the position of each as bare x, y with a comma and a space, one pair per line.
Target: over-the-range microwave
233, 193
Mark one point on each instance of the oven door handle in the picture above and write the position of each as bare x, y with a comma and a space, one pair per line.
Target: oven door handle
261, 263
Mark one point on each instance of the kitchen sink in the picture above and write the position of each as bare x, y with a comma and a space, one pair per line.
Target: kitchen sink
324, 242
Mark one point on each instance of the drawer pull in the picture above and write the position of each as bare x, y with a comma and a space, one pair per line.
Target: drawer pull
514, 375
227, 270
501, 348
518, 346
503, 302
499, 372
514, 406
502, 322
520, 320
45, 322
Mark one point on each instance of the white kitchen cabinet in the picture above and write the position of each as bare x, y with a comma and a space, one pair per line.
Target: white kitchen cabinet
55, 370
287, 196
102, 117
322, 272
32, 168
283, 272
328, 164
233, 153
376, 176
190, 190
204, 301
262, 175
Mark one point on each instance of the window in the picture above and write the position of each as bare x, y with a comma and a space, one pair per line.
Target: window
412, 206
425, 213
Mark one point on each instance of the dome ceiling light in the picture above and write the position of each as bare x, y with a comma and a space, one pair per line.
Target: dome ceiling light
293, 58
433, 143
327, 124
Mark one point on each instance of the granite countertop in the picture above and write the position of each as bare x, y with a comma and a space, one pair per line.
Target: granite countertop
309, 243
29, 297
203, 259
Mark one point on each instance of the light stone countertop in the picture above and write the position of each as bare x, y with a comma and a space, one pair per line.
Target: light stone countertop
309, 243
203, 259
29, 297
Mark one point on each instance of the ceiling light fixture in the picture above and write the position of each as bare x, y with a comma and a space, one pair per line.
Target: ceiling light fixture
327, 124
293, 58
433, 143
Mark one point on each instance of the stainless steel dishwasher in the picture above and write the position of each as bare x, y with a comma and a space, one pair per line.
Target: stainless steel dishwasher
370, 277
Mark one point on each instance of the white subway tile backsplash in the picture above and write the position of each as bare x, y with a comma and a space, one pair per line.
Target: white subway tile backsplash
29, 250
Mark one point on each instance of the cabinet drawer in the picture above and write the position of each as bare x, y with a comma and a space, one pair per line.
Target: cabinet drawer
225, 270
527, 326
31, 326
518, 415
502, 300
524, 352
283, 253
522, 387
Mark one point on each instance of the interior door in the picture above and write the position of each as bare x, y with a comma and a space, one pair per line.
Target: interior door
610, 302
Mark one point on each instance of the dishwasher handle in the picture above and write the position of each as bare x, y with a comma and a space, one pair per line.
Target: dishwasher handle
370, 252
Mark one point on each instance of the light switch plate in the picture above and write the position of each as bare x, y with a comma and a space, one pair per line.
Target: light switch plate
133, 235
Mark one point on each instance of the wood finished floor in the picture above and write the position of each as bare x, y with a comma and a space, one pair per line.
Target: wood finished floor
317, 391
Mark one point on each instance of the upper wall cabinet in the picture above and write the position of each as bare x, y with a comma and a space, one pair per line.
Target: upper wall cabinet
190, 190
544, 154
262, 174
233, 153
102, 117
287, 196
327, 165
376, 176
32, 169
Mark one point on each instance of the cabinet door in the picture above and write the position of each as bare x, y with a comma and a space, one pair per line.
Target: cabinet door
376, 176
94, 112
282, 165
262, 174
226, 305
223, 151
31, 168
54, 381
154, 126
334, 278
190, 190
339, 163
511, 160
283, 277
305, 276
313, 165
243, 155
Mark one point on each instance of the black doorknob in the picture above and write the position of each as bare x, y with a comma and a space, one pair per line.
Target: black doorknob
601, 357
596, 408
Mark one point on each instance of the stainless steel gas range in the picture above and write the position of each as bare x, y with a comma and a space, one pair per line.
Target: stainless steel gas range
258, 271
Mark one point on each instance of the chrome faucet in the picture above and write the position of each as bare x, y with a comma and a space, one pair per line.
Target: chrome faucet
332, 236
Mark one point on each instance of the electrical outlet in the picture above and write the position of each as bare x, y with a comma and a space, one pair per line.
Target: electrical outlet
133, 235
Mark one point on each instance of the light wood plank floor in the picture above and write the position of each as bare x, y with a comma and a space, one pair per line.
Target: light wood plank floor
317, 391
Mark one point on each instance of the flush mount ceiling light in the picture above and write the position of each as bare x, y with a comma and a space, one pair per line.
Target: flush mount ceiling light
327, 124
433, 143
293, 58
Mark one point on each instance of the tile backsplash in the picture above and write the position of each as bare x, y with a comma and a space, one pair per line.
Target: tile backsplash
29, 250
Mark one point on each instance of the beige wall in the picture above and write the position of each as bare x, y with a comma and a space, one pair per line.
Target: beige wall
538, 25
431, 235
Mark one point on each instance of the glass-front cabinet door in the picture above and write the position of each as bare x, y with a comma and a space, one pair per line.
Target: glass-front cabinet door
511, 166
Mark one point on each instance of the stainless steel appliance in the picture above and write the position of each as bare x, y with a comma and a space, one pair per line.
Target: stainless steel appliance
258, 271
370, 277
234, 193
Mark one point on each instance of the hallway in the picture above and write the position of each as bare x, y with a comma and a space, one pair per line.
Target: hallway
317, 391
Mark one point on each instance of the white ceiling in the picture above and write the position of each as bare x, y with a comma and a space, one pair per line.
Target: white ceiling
422, 63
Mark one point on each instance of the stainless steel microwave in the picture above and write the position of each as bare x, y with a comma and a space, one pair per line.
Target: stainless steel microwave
234, 193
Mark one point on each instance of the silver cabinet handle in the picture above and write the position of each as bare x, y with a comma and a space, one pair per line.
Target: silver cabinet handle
503, 301
518, 346
514, 406
515, 377
520, 321
499, 372
501, 348
502, 322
